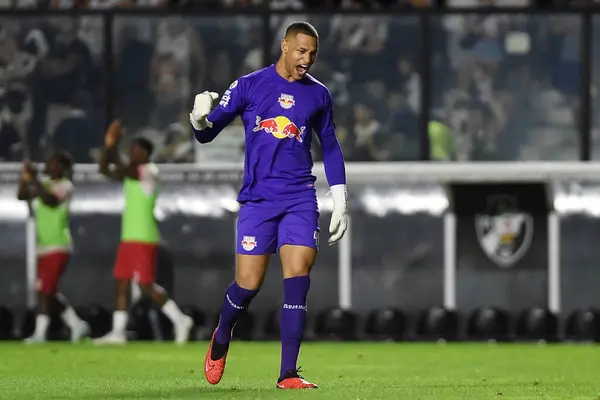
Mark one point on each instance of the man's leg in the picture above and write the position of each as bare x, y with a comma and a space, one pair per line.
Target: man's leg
249, 275
297, 262
42, 319
58, 303
298, 238
182, 323
257, 240
146, 257
123, 273
78, 327
50, 268
118, 333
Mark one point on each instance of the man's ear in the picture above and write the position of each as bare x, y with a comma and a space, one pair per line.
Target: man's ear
284, 46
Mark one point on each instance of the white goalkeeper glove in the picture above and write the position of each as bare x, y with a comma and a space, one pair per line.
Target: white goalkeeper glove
203, 104
339, 217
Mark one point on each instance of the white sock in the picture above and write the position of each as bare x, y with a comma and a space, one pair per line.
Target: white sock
70, 317
119, 321
41, 325
172, 311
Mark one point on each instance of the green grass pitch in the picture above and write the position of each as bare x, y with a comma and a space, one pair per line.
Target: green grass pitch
344, 371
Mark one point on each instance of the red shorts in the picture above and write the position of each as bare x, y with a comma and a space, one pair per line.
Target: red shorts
50, 268
136, 261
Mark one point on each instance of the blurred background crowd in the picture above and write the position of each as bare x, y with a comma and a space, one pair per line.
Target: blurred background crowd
501, 86
282, 4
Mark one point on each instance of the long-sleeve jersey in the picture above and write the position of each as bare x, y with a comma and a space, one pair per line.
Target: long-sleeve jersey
279, 117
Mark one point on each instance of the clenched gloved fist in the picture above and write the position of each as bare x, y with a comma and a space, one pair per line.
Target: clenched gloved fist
203, 105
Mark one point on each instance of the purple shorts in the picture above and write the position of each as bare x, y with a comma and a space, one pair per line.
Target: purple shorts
263, 227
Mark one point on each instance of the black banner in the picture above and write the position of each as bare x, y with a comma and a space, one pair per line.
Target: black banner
501, 225
501, 245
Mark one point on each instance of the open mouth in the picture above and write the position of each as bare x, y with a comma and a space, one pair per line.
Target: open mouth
302, 69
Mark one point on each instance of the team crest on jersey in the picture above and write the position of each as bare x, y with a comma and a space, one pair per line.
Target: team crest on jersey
248, 243
503, 232
286, 101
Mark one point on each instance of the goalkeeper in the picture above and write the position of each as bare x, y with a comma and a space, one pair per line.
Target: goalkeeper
280, 106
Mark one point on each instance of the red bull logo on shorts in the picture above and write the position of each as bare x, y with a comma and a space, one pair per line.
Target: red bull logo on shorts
280, 127
248, 243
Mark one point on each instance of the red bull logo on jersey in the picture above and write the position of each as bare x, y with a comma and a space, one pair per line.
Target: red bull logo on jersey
286, 101
280, 127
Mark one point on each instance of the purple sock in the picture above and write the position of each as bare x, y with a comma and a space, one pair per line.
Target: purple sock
293, 319
236, 300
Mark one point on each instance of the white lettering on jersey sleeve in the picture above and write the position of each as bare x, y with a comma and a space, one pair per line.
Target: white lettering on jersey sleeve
148, 175
227, 95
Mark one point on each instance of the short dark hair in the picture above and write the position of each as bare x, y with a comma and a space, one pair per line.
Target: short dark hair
144, 144
301, 27
65, 159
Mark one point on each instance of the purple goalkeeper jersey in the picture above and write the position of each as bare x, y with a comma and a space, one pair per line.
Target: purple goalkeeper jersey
279, 117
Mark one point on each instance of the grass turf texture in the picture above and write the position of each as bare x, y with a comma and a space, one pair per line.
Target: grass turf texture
345, 371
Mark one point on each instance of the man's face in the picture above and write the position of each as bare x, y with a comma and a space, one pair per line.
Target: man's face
53, 167
299, 53
137, 154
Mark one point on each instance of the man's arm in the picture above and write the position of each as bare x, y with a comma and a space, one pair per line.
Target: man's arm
335, 170
44, 193
208, 124
26, 190
110, 158
110, 155
333, 158
53, 195
31, 187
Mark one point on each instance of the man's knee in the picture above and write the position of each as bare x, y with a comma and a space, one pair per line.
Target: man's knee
250, 270
60, 300
122, 286
297, 260
47, 288
147, 288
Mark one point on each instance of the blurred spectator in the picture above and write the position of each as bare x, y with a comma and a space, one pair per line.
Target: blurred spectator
78, 122
162, 63
64, 72
48, 80
375, 78
133, 60
103, 4
177, 146
19, 3
177, 67
506, 83
20, 52
229, 147
489, 3
401, 124
274, 4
